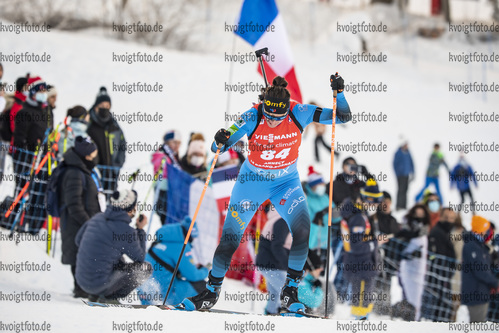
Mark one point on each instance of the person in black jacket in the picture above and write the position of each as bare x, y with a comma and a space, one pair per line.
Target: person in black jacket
360, 262
78, 198
32, 123
101, 269
384, 226
438, 303
439, 240
109, 138
477, 277
348, 184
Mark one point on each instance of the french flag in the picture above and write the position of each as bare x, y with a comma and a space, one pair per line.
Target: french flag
254, 15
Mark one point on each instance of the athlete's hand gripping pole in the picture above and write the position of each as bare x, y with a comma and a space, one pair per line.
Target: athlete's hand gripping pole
334, 85
186, 240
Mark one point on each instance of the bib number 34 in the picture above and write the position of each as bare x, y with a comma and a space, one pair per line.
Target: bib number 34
268, 155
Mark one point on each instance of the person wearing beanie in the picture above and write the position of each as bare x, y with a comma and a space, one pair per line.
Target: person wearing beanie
436, 302
166, 154
318, 207
76, 124
51, 98
360, 260
348, 183
163, 256
109, 138
78, 193
194, 161
409, 248
478, 280
101, 269
32, 121
383, 226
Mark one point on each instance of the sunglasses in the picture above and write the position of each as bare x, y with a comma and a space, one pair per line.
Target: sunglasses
275, 118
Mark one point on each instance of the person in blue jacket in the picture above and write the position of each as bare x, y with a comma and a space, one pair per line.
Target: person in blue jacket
103, 241
274, 128
462, 176
360, 263
404, 170
318, 207
163, 256
477, 277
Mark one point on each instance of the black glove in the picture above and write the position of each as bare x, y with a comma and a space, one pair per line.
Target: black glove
317, 283
222, 136
343, 117
337, 82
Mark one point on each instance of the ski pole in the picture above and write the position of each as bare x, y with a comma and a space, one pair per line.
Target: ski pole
186, 240
258, 54
330, 211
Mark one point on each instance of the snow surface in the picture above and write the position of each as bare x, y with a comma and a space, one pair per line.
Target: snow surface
417, 105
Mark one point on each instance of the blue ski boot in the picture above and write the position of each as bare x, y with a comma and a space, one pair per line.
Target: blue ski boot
289, 293
206, 299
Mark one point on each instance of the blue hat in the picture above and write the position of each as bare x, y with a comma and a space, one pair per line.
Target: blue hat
186, 223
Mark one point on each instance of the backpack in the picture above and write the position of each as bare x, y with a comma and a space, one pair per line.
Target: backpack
52, 197
5, 132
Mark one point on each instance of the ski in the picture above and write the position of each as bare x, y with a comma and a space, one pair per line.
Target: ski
171, 307
127, 306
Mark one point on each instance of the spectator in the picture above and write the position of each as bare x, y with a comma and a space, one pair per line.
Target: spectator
230, 157
413, 248
438, 302
3, 102
347, 184
456, 236
20, 96
383, 222
109, 138
383, 227
101, 270
51, 97
439, 239
78, 197
194, 161
33, 120
462, 176
167, 154
404, 170
477, 283
310, 290
78, 125
32, 124
360, 259
163, 256
272, 257
432, 173
431, 201
318, 207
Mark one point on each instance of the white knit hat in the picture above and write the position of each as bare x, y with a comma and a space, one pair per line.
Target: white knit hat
124, 199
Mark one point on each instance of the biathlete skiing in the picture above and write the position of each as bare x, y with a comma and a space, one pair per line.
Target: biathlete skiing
274, 129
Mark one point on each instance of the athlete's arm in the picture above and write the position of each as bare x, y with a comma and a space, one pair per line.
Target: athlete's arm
243, 126
307, 113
